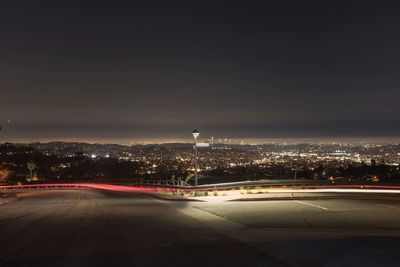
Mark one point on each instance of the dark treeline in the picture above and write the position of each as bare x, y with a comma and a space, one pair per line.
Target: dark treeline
14, 161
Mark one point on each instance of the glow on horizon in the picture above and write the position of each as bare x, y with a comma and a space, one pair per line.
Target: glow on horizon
246, 141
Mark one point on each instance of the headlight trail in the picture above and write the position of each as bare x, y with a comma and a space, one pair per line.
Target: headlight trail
126, 188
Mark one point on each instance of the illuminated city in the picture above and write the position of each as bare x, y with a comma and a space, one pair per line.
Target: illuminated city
220, 161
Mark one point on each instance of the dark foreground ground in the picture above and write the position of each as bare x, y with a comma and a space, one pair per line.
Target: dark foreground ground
99, 228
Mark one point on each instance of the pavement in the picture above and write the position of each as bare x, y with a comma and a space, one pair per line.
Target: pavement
103, 228
6, 198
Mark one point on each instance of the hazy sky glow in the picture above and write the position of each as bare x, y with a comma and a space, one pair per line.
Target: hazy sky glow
123, 70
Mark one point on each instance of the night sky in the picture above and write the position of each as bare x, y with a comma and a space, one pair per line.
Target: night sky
140, 70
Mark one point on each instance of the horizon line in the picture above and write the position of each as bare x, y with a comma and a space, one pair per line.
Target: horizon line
235, 140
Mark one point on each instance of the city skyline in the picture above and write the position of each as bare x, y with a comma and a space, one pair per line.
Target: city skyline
231, 140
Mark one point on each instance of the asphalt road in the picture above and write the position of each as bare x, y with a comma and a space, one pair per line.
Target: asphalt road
100, 228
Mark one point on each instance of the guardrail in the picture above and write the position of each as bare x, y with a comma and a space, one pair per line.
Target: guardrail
230, 185
178, 183
111, 187
43, 186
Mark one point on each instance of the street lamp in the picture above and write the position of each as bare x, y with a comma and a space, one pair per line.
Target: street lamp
297, 169
195, 135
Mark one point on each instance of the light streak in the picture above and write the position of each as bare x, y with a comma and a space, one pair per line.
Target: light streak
377, 189
110, 187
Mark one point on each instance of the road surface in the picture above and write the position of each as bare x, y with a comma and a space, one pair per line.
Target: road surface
103, 228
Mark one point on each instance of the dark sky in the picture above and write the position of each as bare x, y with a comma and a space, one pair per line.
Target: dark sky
146, 69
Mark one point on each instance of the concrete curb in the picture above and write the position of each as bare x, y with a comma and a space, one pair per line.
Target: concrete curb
172, 197
307, 198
